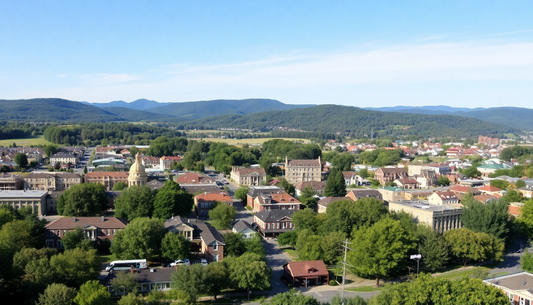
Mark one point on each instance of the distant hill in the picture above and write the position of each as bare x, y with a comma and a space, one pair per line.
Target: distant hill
133, 115
519, 118
53, 110
203, 109
359, 122
140, 104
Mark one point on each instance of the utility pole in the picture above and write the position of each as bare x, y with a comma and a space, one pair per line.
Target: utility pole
344, 263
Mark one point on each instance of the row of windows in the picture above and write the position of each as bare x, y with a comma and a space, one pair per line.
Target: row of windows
305, 169
104, 231
276, 225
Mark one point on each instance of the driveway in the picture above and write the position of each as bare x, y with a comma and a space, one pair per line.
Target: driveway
275, 260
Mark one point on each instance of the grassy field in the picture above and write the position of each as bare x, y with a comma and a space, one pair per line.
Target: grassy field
25, 142
240, 142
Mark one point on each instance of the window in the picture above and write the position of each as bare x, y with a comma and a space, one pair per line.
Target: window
108, 231
114, 231
58, 233
51, 232
59, 244
215, 258
277, 225
268, 226
50, 243
215, 246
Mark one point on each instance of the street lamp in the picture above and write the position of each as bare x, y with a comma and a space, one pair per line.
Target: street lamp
417, 257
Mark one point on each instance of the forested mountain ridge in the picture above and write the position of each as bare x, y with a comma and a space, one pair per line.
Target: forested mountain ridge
516, 117
53, 110
202, 109
358, 122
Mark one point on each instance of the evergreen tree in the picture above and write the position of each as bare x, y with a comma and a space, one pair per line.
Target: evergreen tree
335, 185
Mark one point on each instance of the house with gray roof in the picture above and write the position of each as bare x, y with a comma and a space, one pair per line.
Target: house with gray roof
274, 222
517, 286
25, 198
243, 227
205, 240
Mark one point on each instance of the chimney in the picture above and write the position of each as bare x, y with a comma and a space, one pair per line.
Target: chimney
103, 218
74, 218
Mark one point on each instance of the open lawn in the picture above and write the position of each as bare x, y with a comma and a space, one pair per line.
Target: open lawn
464, 271
240, 142
25, 142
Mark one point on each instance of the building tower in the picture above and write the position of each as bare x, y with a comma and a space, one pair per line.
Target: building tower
137, 175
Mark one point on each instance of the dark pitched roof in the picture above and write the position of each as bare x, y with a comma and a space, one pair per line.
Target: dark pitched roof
258, 190
69, 223
328, 200
206, 232
274, 215
314, 162
155, 184
241, 225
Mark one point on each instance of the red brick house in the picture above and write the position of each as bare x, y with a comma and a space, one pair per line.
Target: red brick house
203, 202
274, 222
205, 240
389, 174
96, 228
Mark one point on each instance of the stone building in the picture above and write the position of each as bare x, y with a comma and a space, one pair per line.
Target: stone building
137, 175
248, 176
107, 179
303, 170
23, 198
11, 182
53, 181
440, 218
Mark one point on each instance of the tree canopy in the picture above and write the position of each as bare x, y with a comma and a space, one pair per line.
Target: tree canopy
171, 200
87, 199
135, 202
140, 239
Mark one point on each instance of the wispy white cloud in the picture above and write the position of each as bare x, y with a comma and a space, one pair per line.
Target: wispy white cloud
301, 74
62, 75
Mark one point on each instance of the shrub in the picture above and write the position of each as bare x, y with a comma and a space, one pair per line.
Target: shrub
332, 283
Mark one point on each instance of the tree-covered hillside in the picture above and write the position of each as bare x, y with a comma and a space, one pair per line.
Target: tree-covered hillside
359, 122
203, 109
53, 110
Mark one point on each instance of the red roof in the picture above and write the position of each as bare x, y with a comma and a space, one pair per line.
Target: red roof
220, 197
307, 268
490, 188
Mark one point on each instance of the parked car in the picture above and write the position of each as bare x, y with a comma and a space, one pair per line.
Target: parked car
181, 262
203, 261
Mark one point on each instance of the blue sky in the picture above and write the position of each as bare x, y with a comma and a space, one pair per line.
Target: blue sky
359, 53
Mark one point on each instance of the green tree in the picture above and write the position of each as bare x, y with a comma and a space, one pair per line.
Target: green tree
75, 267
501, 184
346, 215
235, 245
140, 239
254, 244
120, 186
491, 218
426, 289
249, 272
335, 185
57, 294
76, 239
434, 249
471, 172
20, 234
287, 187
21, 160
131, 299
305, 219
93, 293
190, 279
307, 197
513, 196
363, 172
171, 200
216, 278
125, 282
520, 183
241, 194
87, 199
356, 300
175, 246
135, 202
526, 218
291, 297
443, 180
49, 150
468, 245
380, 250
526, 261
223, 215
288, 238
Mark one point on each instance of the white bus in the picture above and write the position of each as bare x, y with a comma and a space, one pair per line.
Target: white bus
126, 264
